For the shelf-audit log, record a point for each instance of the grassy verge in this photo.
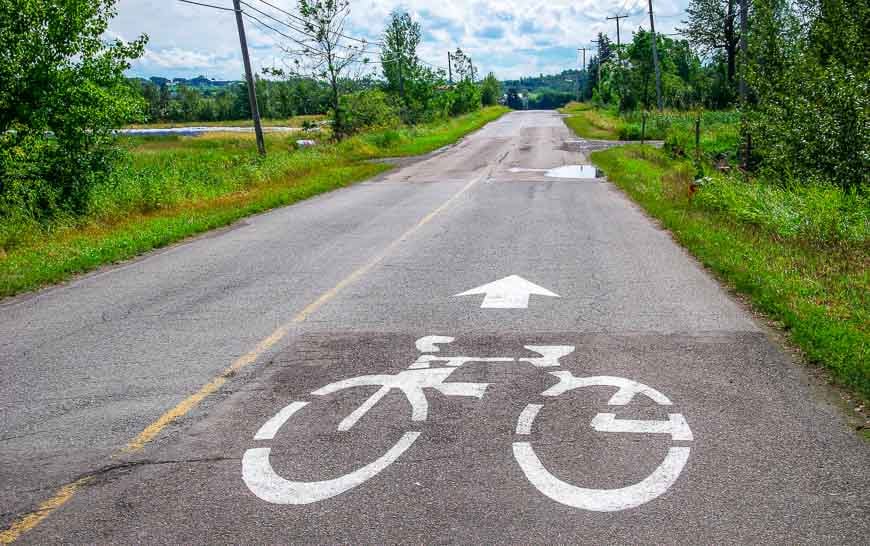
(169, 188)
(295, 121)
(800, 254)
(589, 122)
(718, 130)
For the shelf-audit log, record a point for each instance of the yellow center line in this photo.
(28, 521)
(31, 520)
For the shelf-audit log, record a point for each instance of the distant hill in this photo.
(563, 82)
(200, 82)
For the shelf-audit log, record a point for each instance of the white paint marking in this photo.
(265, 483)
(676, 425)
(527, 417)
(423, 361)
(550, 355)
(270, 428)
(601, 500)
(351, 419)
(627, 388)
(411, 383)
(429, 344)
(511, 292)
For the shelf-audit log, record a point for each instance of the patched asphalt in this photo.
(770, 458)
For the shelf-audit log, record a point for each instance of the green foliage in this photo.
(370, 109)
(490, 90)
(549, 100)
(62, 92)
(818, 213)
(630, 83)
(464, 97)
(399, 54)
(276, 98)
(712, 27)
(810, 80)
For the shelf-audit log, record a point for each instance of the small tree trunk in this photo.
(730, 42)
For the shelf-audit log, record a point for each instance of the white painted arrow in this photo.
(508, 293)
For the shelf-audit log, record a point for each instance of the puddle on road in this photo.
(565, 171)
(573, 171)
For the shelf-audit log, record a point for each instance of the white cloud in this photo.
(508, 37)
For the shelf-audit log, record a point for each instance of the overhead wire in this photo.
(265, 25)
(301, 20)
(207, 5)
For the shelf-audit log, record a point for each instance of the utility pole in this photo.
(401, 81)
(471, 64)
(617, 17)
(655, 54)
(449, 68)
(598, 68)
(744, 28)
(583, 49)
(746, 153)
(252, 91)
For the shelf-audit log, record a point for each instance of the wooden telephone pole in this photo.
(252, 91)
(598, 68)
(655, 54)
(583, 49)
(617, 17)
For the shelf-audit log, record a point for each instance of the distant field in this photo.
(295, 121)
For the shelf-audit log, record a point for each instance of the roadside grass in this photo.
(293, 121)
(589, 122)
(719, 129)
(800, 254)
(169, 188)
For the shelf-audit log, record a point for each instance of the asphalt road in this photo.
(631, 400)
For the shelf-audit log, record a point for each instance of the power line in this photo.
(301, 20)
(263, 13)
(207, 5)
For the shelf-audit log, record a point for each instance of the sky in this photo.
(509, 38)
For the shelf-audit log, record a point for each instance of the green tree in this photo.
(711, 27)
(323, 49)
(399, 54)
(62, 92)
(414, 85)
(490, 90)
(809, 117)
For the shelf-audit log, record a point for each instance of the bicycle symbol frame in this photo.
(268, 485)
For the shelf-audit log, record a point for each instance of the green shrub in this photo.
(62, 92)
(370, 109)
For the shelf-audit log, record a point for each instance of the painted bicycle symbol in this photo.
(431, 371)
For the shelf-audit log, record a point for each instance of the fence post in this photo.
(698, 138)
(643, 128)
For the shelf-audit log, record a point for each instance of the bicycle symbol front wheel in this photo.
(267, 484)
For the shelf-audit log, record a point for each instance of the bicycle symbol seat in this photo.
(431, 371)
